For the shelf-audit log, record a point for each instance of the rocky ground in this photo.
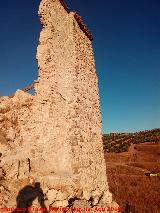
(131, 188)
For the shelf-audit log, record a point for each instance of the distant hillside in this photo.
(120, 142)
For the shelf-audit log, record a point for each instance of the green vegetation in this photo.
(120, 142)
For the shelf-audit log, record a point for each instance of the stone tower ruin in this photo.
(57, 132)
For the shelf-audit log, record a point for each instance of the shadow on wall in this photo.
(127, 208)
(27, 195)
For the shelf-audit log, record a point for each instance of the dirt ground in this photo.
(132, 189)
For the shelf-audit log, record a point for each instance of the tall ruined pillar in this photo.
(68, 108)
(53, 139)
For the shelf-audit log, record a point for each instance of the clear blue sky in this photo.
(127, 51)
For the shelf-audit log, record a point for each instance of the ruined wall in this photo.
(88, 150)
(67, 92)
(61, 137)
(14, 165)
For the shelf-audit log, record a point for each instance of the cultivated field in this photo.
(131, 188)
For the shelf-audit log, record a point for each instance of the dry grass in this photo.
(129, 184)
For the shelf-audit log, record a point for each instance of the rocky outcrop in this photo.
(53, 144)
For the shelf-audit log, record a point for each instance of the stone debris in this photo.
(51, 143)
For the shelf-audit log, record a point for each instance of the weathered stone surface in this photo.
(54, 138)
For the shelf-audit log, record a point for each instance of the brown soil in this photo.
(131, 188)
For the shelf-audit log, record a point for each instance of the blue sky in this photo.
(127, 52)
